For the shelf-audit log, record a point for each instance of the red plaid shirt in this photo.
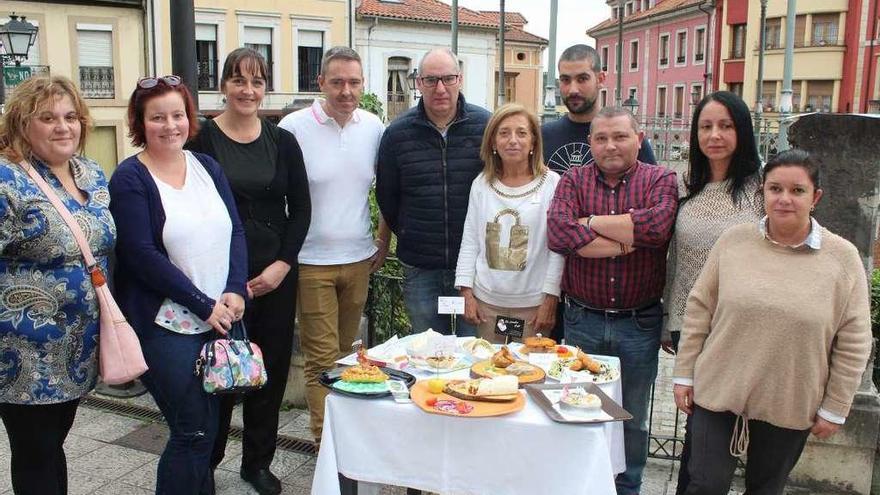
(650, 194)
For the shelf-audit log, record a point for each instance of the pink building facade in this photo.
(666, 63)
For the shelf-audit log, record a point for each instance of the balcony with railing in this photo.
(664, 61)
(97, 82)
(699, 57)
(14, 75)
(680, 59)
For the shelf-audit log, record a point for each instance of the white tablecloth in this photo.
(381, 441)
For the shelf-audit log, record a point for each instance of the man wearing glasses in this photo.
(428, 158)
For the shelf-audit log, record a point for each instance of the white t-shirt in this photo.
(503, 285)
(341, 165)
(196, 235)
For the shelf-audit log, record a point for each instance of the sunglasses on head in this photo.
(151, 82)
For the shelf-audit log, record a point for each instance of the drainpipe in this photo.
(455, 27)
(501, 25)
(867, 96)
(619, 54)
(707, 60)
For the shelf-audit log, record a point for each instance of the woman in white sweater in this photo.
(505, 270)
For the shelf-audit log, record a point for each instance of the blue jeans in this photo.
(636, 341)
(191, 414)
(421, 288)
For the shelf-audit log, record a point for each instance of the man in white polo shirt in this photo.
(339, 144)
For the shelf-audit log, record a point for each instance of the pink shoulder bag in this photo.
(120, 359)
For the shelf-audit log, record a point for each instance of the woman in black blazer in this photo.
(265, 168)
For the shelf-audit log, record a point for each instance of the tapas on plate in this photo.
(363, 380)
(497, 389)
(449, 405)
(504, 363)
(583, 368)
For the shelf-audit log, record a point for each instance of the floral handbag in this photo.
(231, 365)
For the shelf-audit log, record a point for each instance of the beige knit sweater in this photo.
(775, 333)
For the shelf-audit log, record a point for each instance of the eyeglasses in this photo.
(431, 81)
(151, 82)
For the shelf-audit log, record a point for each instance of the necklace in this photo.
(520, 195)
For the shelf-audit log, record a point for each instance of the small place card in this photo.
(447, 305)
(444, 345)
(509, 327)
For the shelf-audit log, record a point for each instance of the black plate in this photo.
(328, 378)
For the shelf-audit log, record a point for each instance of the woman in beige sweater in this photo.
(775, 338)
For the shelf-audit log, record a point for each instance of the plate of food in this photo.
(479, 349)
(449, 405)
(498, 389)
(543, 345)
(583, 368)
(440, 363)
(576, 403)
(504, 363)
(363, 380)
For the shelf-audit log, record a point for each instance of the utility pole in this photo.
(501, 25)
(759, 93)
(785, 100)
(619, 55)
(455, 27)
(183, 45)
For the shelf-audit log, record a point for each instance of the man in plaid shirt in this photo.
(613, 220)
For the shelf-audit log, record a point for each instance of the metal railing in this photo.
(97, 82)
(207, 75)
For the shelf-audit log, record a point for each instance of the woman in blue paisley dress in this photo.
(48, 308)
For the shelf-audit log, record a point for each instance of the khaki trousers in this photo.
(331, 302)
(491, 312)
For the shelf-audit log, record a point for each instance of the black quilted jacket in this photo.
(423, 182)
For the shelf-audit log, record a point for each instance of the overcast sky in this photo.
(575, 17)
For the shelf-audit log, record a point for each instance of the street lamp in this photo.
(696, 95)
(631, 104)
(17, 37)
(411, 79)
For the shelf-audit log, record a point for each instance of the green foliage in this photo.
(385, 308)
(371, 103)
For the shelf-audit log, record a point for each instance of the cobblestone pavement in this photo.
(111, 454)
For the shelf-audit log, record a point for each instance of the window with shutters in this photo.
(398, 96)
(95, 61)
(604, 59)
(699, 45)
(603, 97)
(738, 41)
(678, 102)
(825, 29)
(634, 55)
(819, 95)
(310, 49)
(661, 101)
(800, 30)
(735, 88)
(773, 33)
(664, 50)
(681, 39)
(260, 39)
(206, 56)
(768, 96)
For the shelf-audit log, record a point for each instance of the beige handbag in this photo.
(513, 256)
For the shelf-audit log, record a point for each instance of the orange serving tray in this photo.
(420, 394)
